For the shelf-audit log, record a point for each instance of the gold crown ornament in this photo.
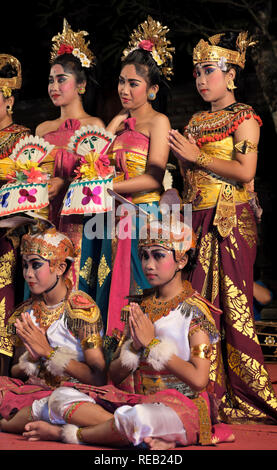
(151, 36)
(210, 52)
(13, 83)
(69, 42)
(47, 243)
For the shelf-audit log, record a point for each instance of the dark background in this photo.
(27, 29)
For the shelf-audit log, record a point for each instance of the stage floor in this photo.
(247, 437)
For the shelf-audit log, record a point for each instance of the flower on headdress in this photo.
(156, 57)
(27, 195)
(65, 49)
(82, 57)
(146, 45)
(92, 195)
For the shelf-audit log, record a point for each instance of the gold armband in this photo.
(203, 159)
(245, 146)
(93, 341)
(203, 351)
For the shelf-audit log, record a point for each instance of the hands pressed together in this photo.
(141, 327)
(183, 148)
(33, 337)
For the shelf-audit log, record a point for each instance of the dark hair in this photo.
(73, 65)
(191, 261)
(228, 41)
(147, 68)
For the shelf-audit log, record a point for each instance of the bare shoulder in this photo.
(46, 127)
(159, 121)
(93, 121)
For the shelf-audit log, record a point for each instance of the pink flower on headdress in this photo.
(65, 49)
(146, 45)
(29, 195)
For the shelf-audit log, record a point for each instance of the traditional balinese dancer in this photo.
(10, 134)
(218, 155)
(58, 332)
(140, 152)
(71, 84)
(161, 368)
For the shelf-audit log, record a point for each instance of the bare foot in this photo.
(222, 433)
(216, 439)
(159, 444)
(42, 431)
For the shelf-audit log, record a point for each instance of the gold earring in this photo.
(151, 96)
(9, 109)
(230, 84)
(81, 90)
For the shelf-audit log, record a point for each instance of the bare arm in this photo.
(242, 169)
(194, 372)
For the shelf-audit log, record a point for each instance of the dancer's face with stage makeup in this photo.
(211, 81)
(159, 265)
(62, 86)
(132, 88)
(37, 273)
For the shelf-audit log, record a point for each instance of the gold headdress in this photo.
(151, 36)
(171, 232)
(13, 83)
(69, 42)
(49, 244)
(209, 51)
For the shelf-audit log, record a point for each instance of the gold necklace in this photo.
(45, 316)
(156, 309)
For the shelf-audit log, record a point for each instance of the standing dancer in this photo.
(218, 157)
(10, 134)
(140, 152)
(71, 83)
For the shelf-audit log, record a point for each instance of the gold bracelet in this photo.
(203, 159)
(49, 356)
(152, 344)
(203, 351)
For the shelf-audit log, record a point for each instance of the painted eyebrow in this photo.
(60, 75)
(156, 250)
(130, 79)
(33, 259)
(208, 65)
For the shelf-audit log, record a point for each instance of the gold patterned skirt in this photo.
(224, 276)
